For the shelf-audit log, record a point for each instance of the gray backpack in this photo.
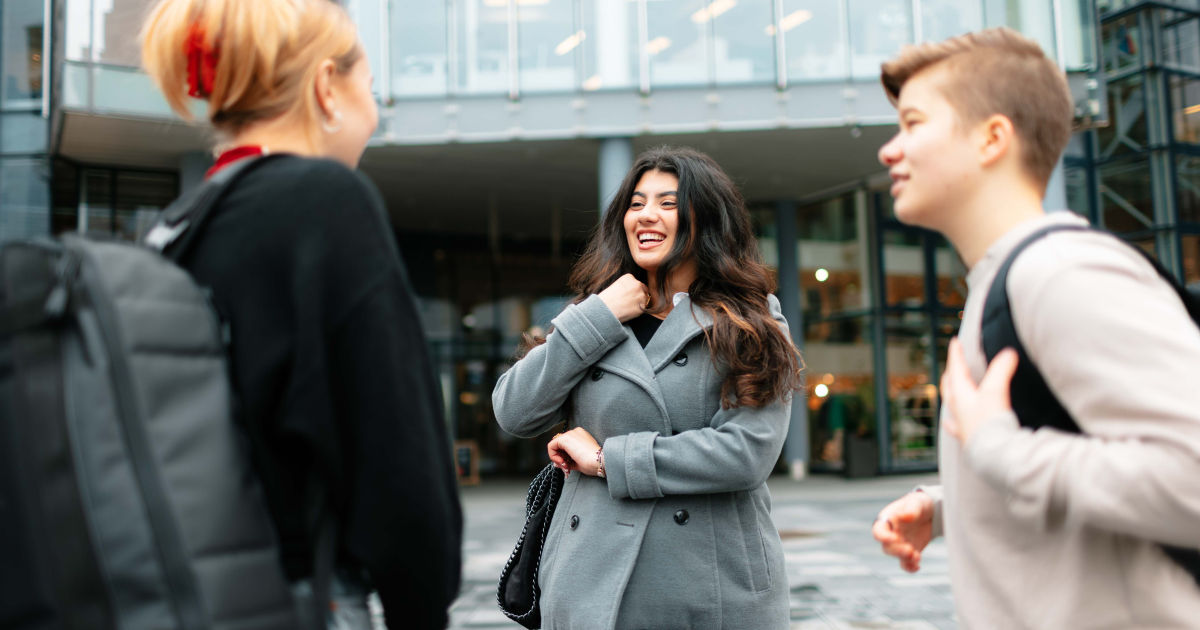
(127, 498)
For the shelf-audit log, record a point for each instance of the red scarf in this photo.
(233, 155)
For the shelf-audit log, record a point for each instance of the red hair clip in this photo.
(201, 62)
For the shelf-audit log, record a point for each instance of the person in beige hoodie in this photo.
(1044, 529)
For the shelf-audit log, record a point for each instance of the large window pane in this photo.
(116, 25)
(951, 276)
(25, 199)
(878, 28)
(140, 198)
(841, 400)
(22, 132)
(1180, 40)
(1191, 259)
(912, 396)
(1187, 177)
(678, 40)
(941, 19)
(1079, 34)
(21, 54)
(96, 203)
(549, 45)
(78, 21)
(418, 47)
(1125, 196)
(904, 271)
(1185, 107)
(482, 46)
(1127, 131)
(815, 39)
(1121, 44)
(833, 264)
(744, 42)
(610, 44)
(1078, 195)
(1034, 19)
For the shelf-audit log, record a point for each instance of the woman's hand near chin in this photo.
(626, 297)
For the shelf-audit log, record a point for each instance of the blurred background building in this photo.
(506, 124)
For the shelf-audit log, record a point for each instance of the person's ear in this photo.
(996, 139)
(323, 88)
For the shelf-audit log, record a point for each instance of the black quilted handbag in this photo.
(518, 591)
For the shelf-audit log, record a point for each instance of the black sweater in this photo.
(334, 379)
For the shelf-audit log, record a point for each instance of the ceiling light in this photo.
(791, 21)
(499, 4)
(569, 44)
(657, 45)
(592, 83)
(713, 10)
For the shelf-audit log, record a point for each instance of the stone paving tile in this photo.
(837, 576)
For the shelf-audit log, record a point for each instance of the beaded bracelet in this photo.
(600, 461)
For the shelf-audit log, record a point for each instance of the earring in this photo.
(336, 125)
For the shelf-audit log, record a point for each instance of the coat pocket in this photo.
(753, 545)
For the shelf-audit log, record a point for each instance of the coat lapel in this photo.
(629, 362)
(680, 327)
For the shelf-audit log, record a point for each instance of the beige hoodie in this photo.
(1050, 530)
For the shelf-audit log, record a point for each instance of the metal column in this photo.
(796, 449)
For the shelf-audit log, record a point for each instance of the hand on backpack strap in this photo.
(971, 405)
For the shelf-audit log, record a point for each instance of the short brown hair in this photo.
(996, 71)
(269, 52)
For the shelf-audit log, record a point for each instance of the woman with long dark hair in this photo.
(674, 370)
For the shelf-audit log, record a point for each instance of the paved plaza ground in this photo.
(837, 575)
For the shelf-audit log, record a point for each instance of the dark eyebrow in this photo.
(668, 193)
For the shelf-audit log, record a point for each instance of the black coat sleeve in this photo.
(397, 496)
(403, 521)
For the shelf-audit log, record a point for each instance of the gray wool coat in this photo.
(679, 535)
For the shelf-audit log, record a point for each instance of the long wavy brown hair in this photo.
(760, 361)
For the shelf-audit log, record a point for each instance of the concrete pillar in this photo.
(192, 167)
(795, 449)
(616, 158)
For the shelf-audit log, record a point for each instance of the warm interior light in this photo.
(713, 10)
(592, 83)
(657, 45)
(569, 44)
(821, 390)
(1194, 109)
(791, 21)
(822, 275)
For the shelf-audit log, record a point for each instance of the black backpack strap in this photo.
(181, 222)
(1033, 402)
(1035, 405)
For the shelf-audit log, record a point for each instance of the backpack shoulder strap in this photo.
(183, 219)
(1034, 403)
(1032, 400)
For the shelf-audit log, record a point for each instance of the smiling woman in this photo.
(674, 371)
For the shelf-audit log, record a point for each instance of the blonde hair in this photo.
(268, 53)
(996, 71)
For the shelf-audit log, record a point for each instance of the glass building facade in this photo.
(24, 171)
(506, 124)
